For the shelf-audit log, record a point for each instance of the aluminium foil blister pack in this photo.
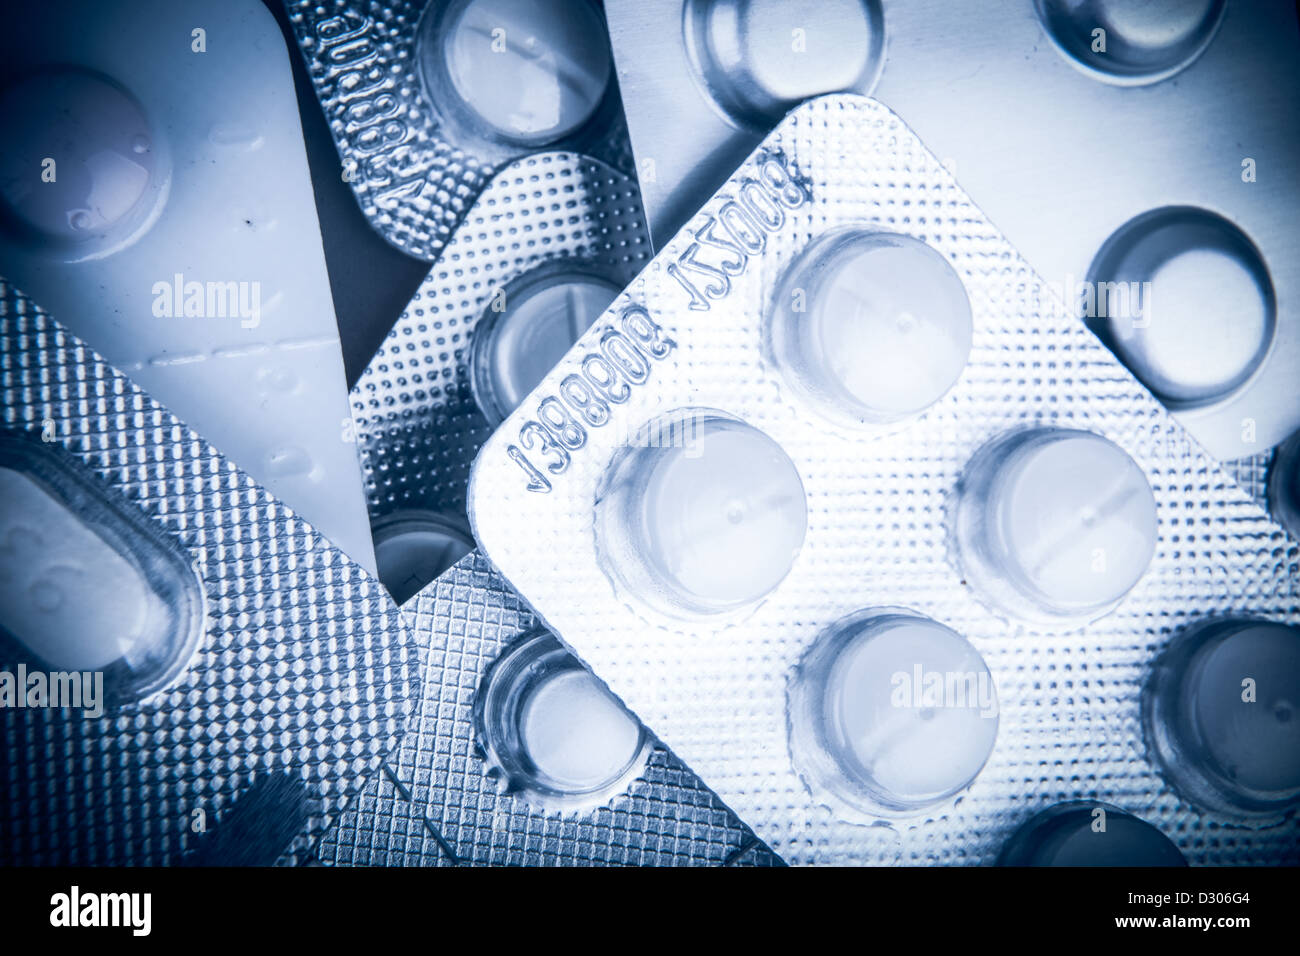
(850, 516)
(550, 241)
(426, 99)
(155, 196)
(443, 801)
(1131, 142)
(252, 675)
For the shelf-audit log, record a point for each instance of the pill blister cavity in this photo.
(551, 732)
(82, 172)
(1131, 43)
(873, 328)
(1222, 716)
(757, 59)
(890, 713)
(526, 74)
(700, 514)
(527, 328)
(412, 547)
(1283, 487)
(86, 585)
(1054, 525)
(1184, 299)
(1083, 833)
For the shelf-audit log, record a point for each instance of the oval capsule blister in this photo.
(85, 583)
(896, 413)
(209, 629)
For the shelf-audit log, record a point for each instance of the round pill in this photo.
(722, 514)
(760, 58)
(576, 734)
(875, 326)
(1184, 299)
(413, 548)
(551, 732)
(1223, 715)
(532, 72)
(526, 332)
(1055, 522)
(80, 170)
(1131, 43)
(1078, 519)
(901, 711)
(1088, 834)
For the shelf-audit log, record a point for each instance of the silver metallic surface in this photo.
(1057, 155)
(714, 688)
(418, 418)
(438, 806)
(415, 173)
(302, 676)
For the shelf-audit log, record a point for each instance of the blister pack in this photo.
(843, 500)
(426, 99)
(546, 247)
(189, 672)
(1141, 152)
(155, 195)
(518, 755)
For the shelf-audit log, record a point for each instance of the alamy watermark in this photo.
(1128, 301)
(191, 299)
(81, 690)
(923, 689)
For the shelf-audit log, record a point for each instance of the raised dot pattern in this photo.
(418, 424)
(413, 175)
(455, 815)
(305, 666)
(877, 534)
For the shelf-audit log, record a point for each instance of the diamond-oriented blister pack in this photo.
(302, 672)
(456, 815)
(416, 168)
(1130, 138)
(715, 688)
(419, 422)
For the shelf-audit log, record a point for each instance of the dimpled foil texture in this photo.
(715, 690)
(418, 423)
(435, 805)
(413, 174)
(303, 673)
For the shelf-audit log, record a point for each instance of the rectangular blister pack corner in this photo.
(157, 200)
(436, 804)
(688, 333)
(250, 676)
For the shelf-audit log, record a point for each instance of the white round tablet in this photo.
(1054, 525)
(892, 712)
(1077, 520)
(873, 326)
(722, 517)
(1131, 43)
(1186, 301)
(538, 323)
(577, 735)
(532, 72)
